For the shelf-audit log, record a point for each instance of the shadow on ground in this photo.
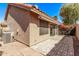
(1, 52)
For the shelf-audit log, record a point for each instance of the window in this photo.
(53, 29)
(43, 27)
(54, 26)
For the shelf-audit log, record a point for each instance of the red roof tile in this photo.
(21, 5)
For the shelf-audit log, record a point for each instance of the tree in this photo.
(55, 17)
(70, 13)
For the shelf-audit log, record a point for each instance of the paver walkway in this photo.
(45, 46)
(17, 49)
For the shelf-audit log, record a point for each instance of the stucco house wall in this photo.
(35, 36)
(27, 24)
(18, 19)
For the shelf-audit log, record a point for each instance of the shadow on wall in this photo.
(21, 17)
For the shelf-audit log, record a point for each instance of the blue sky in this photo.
(3, 8)
(52, 9)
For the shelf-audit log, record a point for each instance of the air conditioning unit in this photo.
(6, 37)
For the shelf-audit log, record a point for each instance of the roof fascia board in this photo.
(40, 13)
(44, 18)
(22, 7)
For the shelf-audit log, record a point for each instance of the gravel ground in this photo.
(63, 48)
(76, 47)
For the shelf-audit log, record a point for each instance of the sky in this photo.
(52, 9)
(3, 8)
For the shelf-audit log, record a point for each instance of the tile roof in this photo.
(33, 9)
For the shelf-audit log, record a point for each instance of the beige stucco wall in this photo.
(22, 22)
(31, 36)
(35, 36)
(27, 24)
